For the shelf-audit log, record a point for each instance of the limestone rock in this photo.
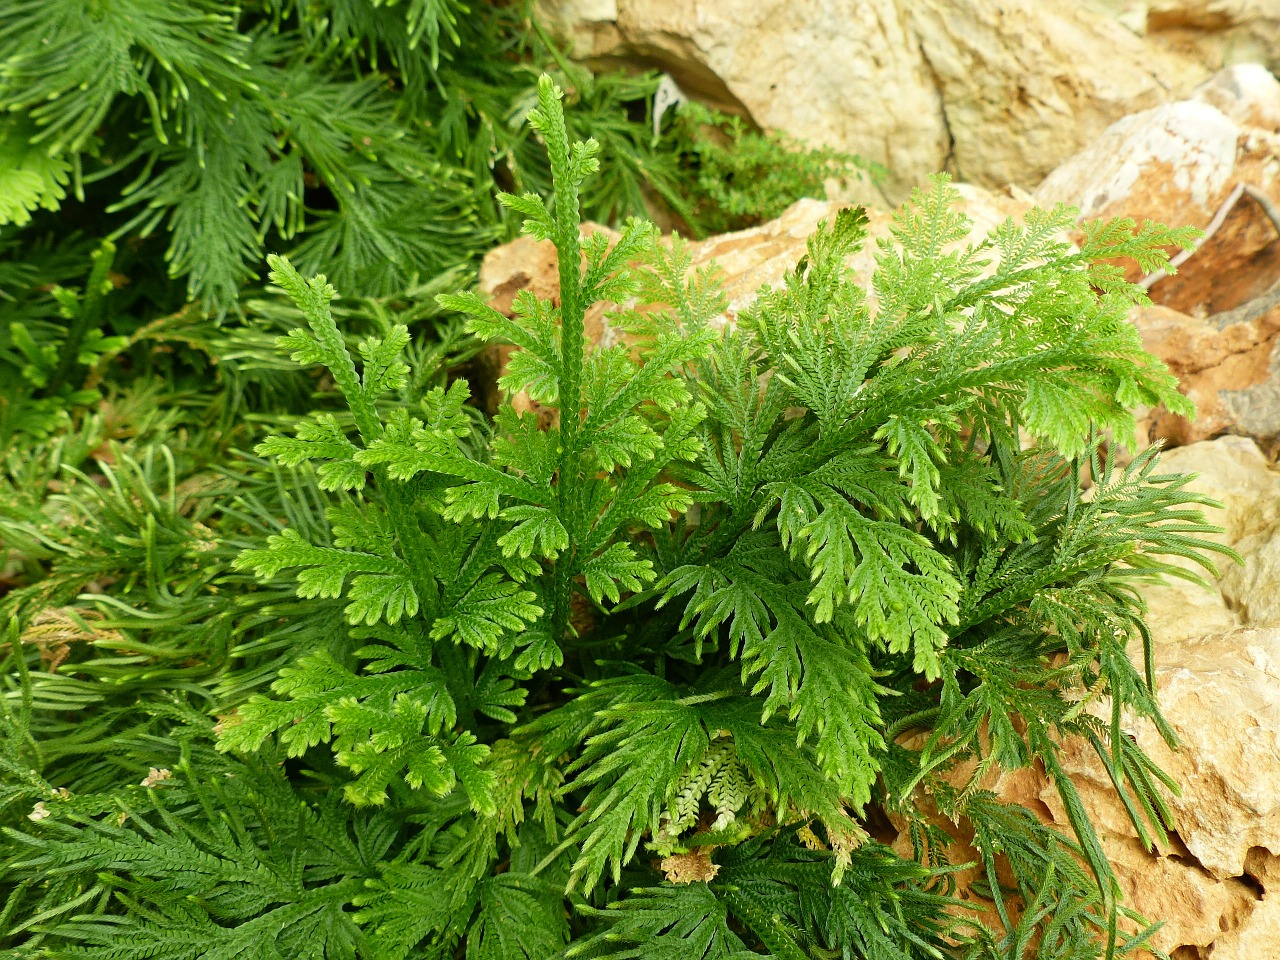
(1026, 83)
(999, 91)
(1235, 472)
(847, 75)
(1182, 163)
(1178, 163)
(1260, 930)
(1217, 882)
(1227, 363)
(1213, 32)
(1221, 694)
(1247, 93)
(1172, 163)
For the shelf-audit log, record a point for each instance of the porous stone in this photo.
(1236, 473)
(1215, 33)
(1227, 363)
(998, 91)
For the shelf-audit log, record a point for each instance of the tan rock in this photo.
(1258, 931)
(847, 75)
(1226, 363)
(1182, 163)
(1221, 695)
(1026, 83)
(1253, 587)
(1178, 164)
(1180, 610)
(1130, 13)
(1241, 262)
(1000, 91)
(1168, 885)
(1247, 93)
(1217, 32)
(1215, 885)
(1235, 472)
(1175, 160)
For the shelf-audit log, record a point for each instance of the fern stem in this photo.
(88, 316)
(415, 546)
(572, 337)
(909, 721)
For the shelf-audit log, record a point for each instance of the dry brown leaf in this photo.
(692, 867)
(54, 629)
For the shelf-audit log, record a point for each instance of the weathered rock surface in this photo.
(1213, 32)
(1228, 363)
(1235, 472)
(1174, 161)
(1218, 319)
(1216, 883)
(999, 92)
(1247, 93)
(1178, 163)
(1217, 887)
(1025, 83)
(848, 75)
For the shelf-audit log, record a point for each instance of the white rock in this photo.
(1248, 93)
(1221, 694)
(1026, 83)
(1183, 152)
(999, 90)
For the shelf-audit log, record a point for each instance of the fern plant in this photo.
(362, 135)
(648, 675)
(745, 177)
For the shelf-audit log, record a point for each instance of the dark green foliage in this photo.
(739, 174)
(627, 676)
(362, 135)
(152, 151)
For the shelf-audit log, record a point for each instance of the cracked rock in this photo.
(1004, 89)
